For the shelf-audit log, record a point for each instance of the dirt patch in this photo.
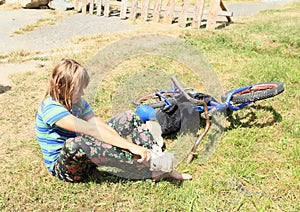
(10, 6)
(13, 68)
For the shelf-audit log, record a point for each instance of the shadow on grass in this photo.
(126, 174)
(4, 88)
(220, 24)
(249, 120)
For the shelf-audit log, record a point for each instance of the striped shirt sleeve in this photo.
(53, 112)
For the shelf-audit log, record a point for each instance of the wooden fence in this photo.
(168, 13)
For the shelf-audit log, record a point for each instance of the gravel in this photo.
(53, 36)
(249, 9)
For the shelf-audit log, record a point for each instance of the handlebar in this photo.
(205, 115)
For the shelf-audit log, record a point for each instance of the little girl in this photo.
(74, 140)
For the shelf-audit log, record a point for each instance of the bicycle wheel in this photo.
(256, 92)
(153, 100)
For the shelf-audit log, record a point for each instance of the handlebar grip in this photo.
(190, 157)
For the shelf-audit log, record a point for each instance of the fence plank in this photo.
(170, 12)
(214, 8)
(76, 5)
(91, 7)
(156, 10)
(144, 10)
(224, 9)
(182, 17)
(133, 12)
(99, 7)
(123, 9)
(198, 14)
(106, 8)
(84, 3)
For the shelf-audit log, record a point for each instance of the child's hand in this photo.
(143, 153)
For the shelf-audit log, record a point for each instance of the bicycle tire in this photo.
(257, 92)
(158, 103)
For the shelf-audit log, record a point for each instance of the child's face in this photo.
(78, 93)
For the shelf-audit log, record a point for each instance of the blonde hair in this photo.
(67, 76)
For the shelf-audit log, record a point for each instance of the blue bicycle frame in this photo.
(212, 105)
(227, 104)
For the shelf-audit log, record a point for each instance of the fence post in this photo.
(170, 12)
(198, 14)
(182, 16)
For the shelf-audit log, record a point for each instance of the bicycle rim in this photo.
(257, 92)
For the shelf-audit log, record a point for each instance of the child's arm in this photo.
(98, 121)
(102, 132)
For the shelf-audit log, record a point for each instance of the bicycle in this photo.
(205, 105)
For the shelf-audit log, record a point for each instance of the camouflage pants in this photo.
(84, 153)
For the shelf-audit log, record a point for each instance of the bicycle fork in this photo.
(206, 115)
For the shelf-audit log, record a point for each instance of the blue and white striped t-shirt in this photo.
(51, 137)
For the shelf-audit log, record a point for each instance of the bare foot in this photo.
(178, 176)
(174, 174)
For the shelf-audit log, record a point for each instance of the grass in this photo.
(255, 166)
